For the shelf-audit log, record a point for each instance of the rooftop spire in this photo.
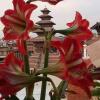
(45, 22)
(45, 11)
(96, 27)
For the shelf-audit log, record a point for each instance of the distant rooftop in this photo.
(96, 27)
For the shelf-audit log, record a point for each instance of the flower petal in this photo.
(53, 2)
(82, 32)
(21, 47)
(17, 22)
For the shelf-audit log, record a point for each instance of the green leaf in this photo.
(62, 87)
(96, 92)
(66, 31)
(97, 83)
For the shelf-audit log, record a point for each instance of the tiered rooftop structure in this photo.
(96, 27)
(45, 23)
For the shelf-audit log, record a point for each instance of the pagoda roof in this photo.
(45, 22)
(39, 39)
(97, 25)
(45, 16)
(41, 32)
(45, 10)
(42, 38)
(38, 31)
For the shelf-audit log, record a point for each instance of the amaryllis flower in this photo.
(82, 31)
(53, 2)
(71, 66)
(76, 68)
(12, 78)
(78, 94)
(17, 22)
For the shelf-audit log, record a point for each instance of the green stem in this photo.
(61, 88)
(56, 92)
(26, 60)
(43, 88)
(57, 97)
(29, 89)
(29, 92)
(66, 31)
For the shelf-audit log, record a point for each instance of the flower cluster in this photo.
(12, 77)
(17, 23)
(71, 66)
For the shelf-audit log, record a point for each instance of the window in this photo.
(53, 50)
(30, 53)
(1, 60)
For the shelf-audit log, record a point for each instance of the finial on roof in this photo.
(96, 27)
(45, 22)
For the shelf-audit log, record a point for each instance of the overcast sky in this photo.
(63, 12)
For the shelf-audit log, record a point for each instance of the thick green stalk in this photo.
(61, 88)
(56, 92)
(29, 92)
(26, 60)
(29, 89)
(43, 88)
(66, 31)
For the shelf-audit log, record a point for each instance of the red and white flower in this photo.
(71, 66)
(12, 78)
(82, 31)
(74, 68)
(17, 22)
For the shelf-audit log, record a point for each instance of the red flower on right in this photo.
(82, 31)
(71, 66)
